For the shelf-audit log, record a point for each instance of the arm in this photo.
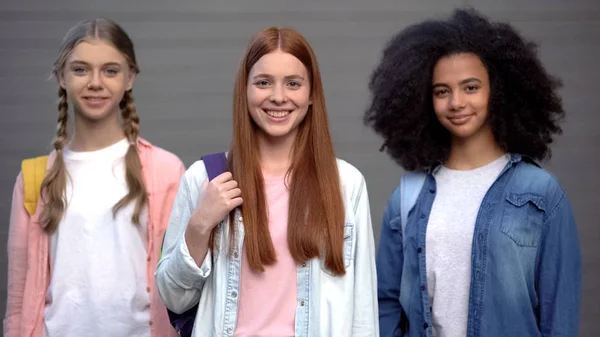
(559, 273)
(17, 261)
(365, 321)
(178, 278)
(390, 259)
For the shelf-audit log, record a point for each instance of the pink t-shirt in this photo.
(267, 303)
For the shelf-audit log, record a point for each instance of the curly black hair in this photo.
(524, 107)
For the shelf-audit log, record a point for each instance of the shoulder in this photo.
(353, 184)
(196, 173)
(349, 174)
(530, 178)
(18, 188)
(163, 161)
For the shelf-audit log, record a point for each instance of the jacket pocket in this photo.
(348, 244)
(522, 218)
(348, 250)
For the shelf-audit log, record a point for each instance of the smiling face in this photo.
(461, 91)
(96, 76)
(278, 94)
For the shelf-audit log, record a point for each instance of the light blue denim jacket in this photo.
(327, 305)
(525, 264)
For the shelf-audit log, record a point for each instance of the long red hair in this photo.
(316, 209)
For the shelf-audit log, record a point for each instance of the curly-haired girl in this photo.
(490, 246)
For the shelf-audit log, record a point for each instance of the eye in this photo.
(441, 93)
(111, 72)
(294, 84)
(262, 83)
(78, 70)
(471, 88)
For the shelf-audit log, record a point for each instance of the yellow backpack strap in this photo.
(34, 171)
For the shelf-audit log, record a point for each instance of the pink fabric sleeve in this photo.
(17, 261)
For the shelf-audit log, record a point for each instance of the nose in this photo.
(278, 95)
(95, 82)
(457, 101)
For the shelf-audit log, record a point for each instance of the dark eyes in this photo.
(445, 92)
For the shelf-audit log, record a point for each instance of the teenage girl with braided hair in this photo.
(81, 263)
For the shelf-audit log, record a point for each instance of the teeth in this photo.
(278, 114)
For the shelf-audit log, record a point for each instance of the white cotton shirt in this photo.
(449, 240)
(98, 262)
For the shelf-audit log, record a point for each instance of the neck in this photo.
(474, 152)
(275, 154)
(90, 135)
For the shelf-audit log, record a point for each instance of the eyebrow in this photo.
(465, 81)
(290, 77)
(111, 64)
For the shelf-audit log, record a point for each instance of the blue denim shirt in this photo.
(525, 264)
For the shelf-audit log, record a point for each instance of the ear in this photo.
(130, 80)
(61, 80)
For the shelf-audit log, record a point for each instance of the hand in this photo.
(220, 197)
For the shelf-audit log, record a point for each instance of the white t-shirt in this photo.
(449, 240)
(98, 262)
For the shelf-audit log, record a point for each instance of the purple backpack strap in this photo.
(215, 164)
(183, 323)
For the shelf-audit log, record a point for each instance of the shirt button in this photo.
(301, 303)
(303, 264)
(234, 294)
(150, 323)
(419, 250)
(422, 216)
(235, 255)
(229, 331)
(422, 288)
(147, 289)
(240, 219)
(148, 259)
(432, 191)
(426, 325)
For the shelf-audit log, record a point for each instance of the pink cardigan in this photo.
(28, 256)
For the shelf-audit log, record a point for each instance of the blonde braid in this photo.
(133, 165)
(55, 182)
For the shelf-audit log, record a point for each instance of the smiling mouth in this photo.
(95, 99)
(459, 118)
(278, 113)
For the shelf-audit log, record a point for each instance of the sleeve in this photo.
(390, 260)
(178, 279)
(365, 321)
(17, 261)
(559, 273)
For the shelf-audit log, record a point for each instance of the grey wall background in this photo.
(189, 50)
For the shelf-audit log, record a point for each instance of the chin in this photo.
(276, 133)
(465, 131)
(96, 116)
